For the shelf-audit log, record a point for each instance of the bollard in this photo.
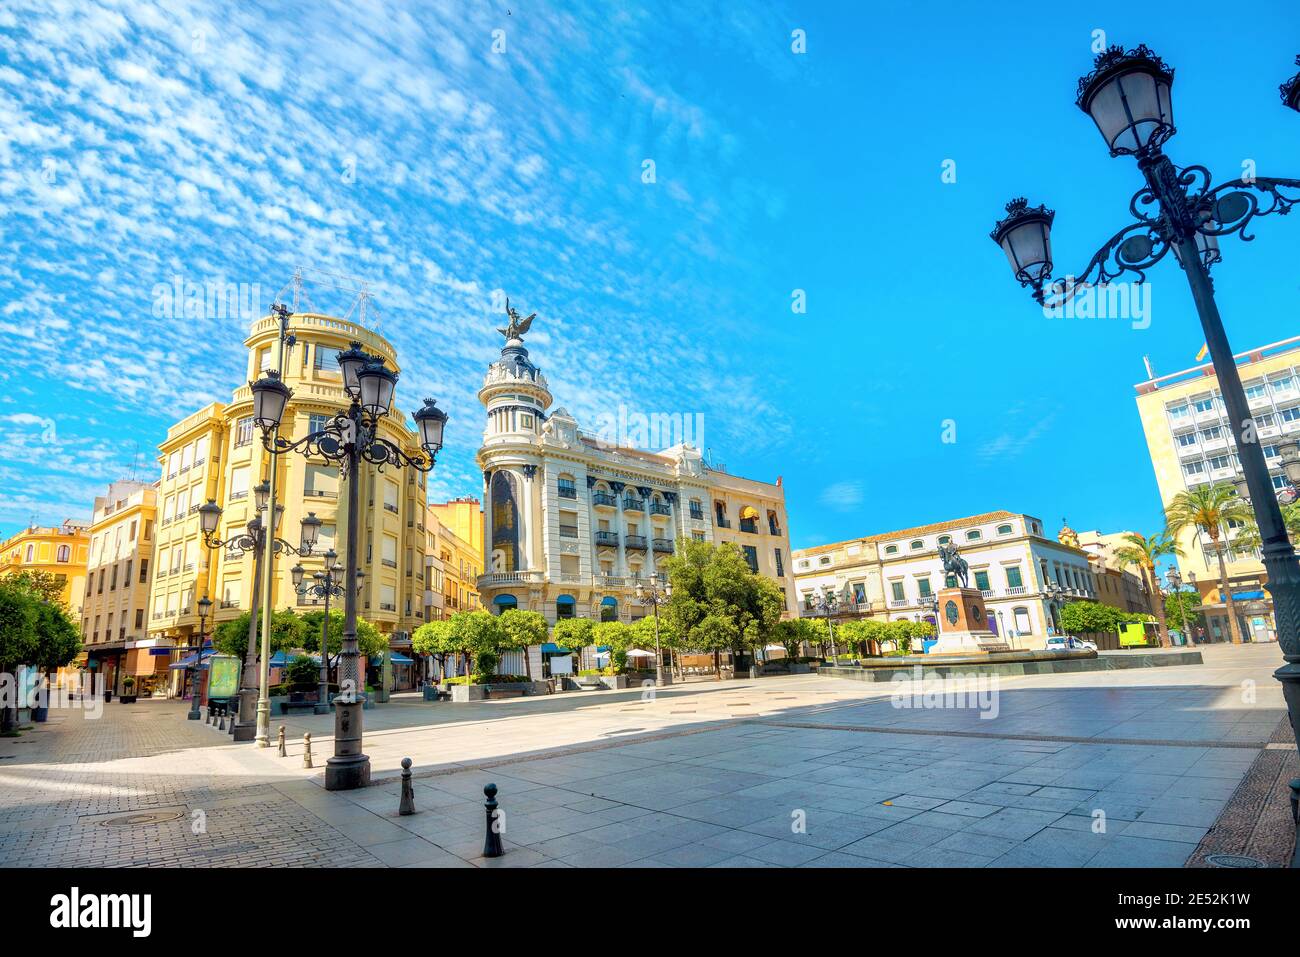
(234, 713)
(222, 725)
(283, 752)
(306, 750)
(407, 805)
(492, 840)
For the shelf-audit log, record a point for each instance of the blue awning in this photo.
(1248, 596)
(401, 659)
(189, 662)
(551, 648)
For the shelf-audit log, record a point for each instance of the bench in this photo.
(494, 693)
(287, 706)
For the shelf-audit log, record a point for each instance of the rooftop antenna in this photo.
(1151, 372)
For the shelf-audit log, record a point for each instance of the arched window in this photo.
(65, 553)
(748, 519)
(773, 523)
(1004, 529)
(918, 544)
(565, 607)
(1024, 624)
(891, 549)
(504, 603)
(609, 608)
(973, 535)
(31, 553)
(505, 522)
(567, 486)
(945, 539)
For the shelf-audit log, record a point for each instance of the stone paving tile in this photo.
(785, 853)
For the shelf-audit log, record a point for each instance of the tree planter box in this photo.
(613, 682)
(462, 693)
(126, 698)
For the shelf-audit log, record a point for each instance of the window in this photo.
(1286, 382)
(1257, 391)
(244, 432)
(201, 450)
(316, 422)
(321, 481)
(566, 487)
(824, 560)
(1204, 405)
(65, 553)
(390, 496)
(751, 556)
(896, 590)
(982, 580)
(917, 545)
(1013, 577)
(238, 483)
(923, 587)
(945, 539)
(859, 593)
(891, 549)
(1004, 529)
(973, 535)
(525, 420)
(697, 509)
(1021, 616)
(1289, 415)
(144, 570)
(1179, 412)
(780, 563)
(139, 618)
(1193, 468)
(1220, 461)
(1187, 440)
(389, 554)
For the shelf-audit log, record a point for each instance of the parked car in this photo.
(1070, 643)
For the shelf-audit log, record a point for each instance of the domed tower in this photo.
(516, 397)
(1067, 535)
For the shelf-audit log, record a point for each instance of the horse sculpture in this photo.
(954, 564)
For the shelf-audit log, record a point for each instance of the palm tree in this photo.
(1145, 552)
(1209, 509)
(1248, 539)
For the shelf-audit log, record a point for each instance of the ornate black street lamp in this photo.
(349, 439)
(824, 600)
(325, 584)
(1128, 96)
(656, 597)
(1176, 583)
(1056, 597)
(252, 696)
(205, 604)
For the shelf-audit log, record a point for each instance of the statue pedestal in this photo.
(963, 625)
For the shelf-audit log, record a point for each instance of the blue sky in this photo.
(224, 142)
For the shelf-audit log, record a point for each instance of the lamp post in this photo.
(1056, 595)
(655, 597)
(930, 604)
(1128, 96)
(325, 584)
(255, 540)
(205, 604)
(350, 439)
(825, 602)
(1176, 583)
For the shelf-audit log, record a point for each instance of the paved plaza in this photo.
(1118, 768)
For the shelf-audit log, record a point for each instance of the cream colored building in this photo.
(114, 616)
(1011, 560)
(1191, 444)
(1118, 584)
(573, 522)
(61, 550)
(217, 453)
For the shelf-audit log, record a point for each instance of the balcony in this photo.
(509, 578)
(568, 531)
(390, 508)
(721, 522)
(633, 504)
(607, 539)
(659, 508)
(662, 545)
(610, 581)
(749, 525)
(605, 500)
(1015, 590)
(697, 514)
(229, 603)
(568, 491)
(635, 541)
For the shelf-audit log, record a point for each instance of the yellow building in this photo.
(454, 533)
(217, 453)
(114, 622)
(61, 551)
(1191, 444)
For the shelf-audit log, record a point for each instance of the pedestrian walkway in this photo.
(1105, 769)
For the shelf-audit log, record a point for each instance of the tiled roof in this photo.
(915, 530)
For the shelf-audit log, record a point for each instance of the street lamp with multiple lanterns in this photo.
(1128, 97)
(254, 701)
(656, 597)
(324, 584)
(824, 600)
(350, 439)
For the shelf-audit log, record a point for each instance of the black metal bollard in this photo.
(492, 840)
(221, 726)
(407, 805)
